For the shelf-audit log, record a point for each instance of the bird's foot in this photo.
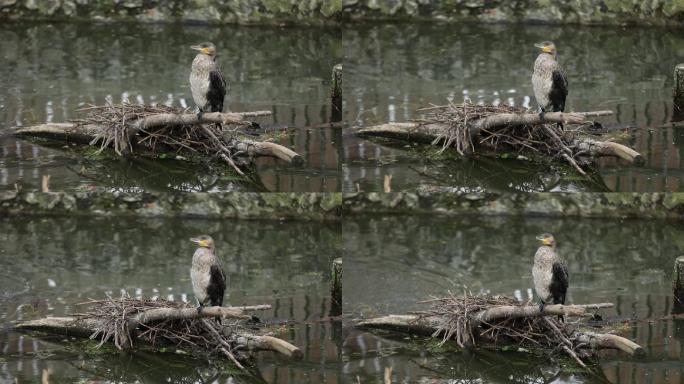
(199, 115)
(541, 307)
(199, 309)
(541, 116)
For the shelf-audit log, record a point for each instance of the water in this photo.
(395, 261)
(47, 71)
(50, 264)
(395, 69)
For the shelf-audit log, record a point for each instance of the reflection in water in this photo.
(396, 69)
(49, 70)
(52, 264)
(396, 261)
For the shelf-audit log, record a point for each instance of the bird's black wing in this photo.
(217, 91)
(559, 89)
(217, 285)
(559, 282)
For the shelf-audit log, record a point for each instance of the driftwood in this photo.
(470, 320)
(471, 128)
(153, 129)
(127, 321)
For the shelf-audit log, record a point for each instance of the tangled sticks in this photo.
(159, 129)
(156, 322)
(503, 129)
(471, 320)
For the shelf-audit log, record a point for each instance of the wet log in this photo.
(81, 326)
(160, 314)
(429, 326)
(515, 119)
(608, 341)
(513, 312)
(596, 148)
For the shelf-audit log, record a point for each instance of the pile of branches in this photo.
(504, 129)
(499, 320)
(455, 117)
(117, 319)
(452, 318)
(543, 139)
(124, 127)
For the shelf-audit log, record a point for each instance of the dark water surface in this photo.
(47, 71)
(49, 265)
(395, 69)
(394, 262)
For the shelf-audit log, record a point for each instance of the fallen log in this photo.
(150, 130)
(485, 129)
(469, 320)
(127, 321)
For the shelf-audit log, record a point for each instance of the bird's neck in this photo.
(552, 55)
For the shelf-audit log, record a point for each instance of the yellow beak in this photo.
(201, 243)
(544, 48)
(201, 49)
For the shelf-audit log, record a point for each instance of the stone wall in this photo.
(615, 12)
(201, 11)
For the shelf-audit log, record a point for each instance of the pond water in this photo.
(50, 265)
(47, 71)
(393, 262)
(393, 70)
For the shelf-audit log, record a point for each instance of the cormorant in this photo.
(549, 273)
(206, 81)
(208, 279)
(549, 82)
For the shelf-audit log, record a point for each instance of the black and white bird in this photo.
(549, 82)
(206, 274)
(549, 273)
(207, 84)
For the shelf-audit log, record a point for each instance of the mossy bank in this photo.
(317, 12)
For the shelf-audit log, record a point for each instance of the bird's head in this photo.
(204, 241)
(205, 48)
(547, 47)
(547, 239)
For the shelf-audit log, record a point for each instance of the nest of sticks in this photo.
(548, 139)
(113, 317)
(159, 128)
(456, 318)
(456, 119)
(453, 320)
(513, 130)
